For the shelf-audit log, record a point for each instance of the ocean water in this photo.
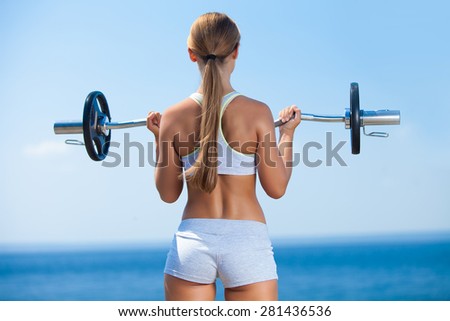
(378, 270)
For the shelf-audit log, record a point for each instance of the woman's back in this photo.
(234, 196)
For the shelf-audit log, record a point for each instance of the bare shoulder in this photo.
(178, 110)
(258, 111)
(178, 114)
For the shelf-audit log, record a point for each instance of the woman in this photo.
(220, 139)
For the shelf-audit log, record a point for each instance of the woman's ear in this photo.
(235, 53)
(192, 55)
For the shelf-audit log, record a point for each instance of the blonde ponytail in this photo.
(213, 37)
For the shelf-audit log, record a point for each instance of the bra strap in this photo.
(227, 100)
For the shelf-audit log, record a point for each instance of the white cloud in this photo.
(46, 148)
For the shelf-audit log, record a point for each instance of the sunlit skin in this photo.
(248, 123)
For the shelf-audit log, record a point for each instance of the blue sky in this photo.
(53, 53)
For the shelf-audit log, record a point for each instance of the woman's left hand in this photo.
(153, 121)
(291, 117)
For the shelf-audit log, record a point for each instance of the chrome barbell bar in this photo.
(368, 118)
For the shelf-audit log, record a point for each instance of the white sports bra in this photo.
(230, 161)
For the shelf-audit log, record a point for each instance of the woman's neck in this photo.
(226, 85)
(225, 76)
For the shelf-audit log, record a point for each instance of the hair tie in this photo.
(213, 57)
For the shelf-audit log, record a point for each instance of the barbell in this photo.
(96, 125)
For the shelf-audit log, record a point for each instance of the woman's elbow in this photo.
(169, 197)
(276, 193)
(169, 192)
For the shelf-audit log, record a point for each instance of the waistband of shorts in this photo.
(221, 226)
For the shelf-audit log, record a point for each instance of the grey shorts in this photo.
(239, 252)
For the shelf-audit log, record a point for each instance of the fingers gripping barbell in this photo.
(96, 125)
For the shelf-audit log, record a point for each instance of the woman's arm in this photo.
(275, 160)
(168, 164)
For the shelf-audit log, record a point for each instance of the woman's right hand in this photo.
(286, 114)
(153, 121)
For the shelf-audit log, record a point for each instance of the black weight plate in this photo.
(355, 120)
(95, 141)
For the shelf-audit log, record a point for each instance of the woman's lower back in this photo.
(233, 198)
